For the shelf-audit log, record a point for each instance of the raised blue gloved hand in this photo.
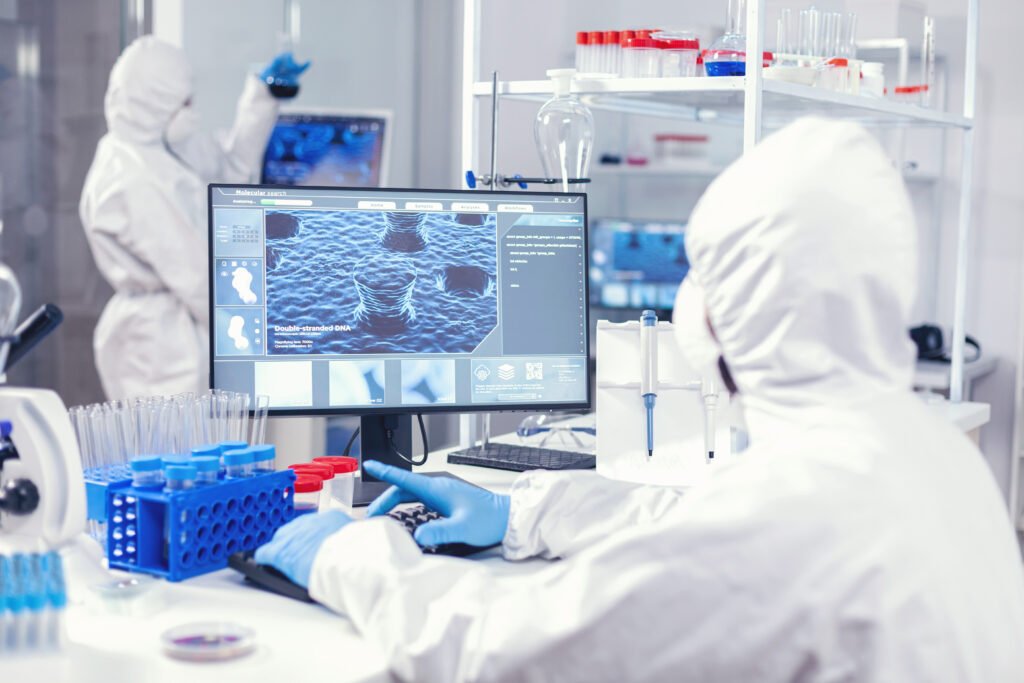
(293, 548)
(472, 515)
(283, 70)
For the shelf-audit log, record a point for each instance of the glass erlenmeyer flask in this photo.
(564, 132)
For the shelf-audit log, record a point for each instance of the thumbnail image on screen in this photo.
(637, 264)
(326, 149)
(436, 269)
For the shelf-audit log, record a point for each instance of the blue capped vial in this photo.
(263, 456)
(179, 477)
(226, 446)
(207, 467)
(238, 464)
(206, 449)
(147, 470)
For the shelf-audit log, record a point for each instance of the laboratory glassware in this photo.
(564, 132)
(727, 55)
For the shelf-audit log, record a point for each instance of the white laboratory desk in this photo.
(296, 641)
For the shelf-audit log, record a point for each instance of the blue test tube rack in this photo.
(97, 480)
(187, 533)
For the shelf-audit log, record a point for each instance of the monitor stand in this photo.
(374, 445)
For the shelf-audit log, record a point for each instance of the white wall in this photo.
(364, 56)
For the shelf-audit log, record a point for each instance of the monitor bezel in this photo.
(385, 149)
(584, 405)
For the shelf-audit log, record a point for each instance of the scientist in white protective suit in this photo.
(144, 211)
(859, 538)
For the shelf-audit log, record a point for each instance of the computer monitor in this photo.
(324, 147)
(636, 264)
(385, 302)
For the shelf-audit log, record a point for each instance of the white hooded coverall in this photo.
(859, 538)
(144, 212)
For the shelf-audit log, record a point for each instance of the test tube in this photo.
(147, 470)
(848, 36)
(307, 494)
(264, 456)
(243, 429)
(239, 407)
(787, 33)
(581, 49)
(207, 467)
(928, 61)
(831, 22)
(238, 464)
(206, 449)
(810, 32)
(57, 596)
(259, 419)
(179, 477)
(343, 483)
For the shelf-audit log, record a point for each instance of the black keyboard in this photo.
(504, 456)
(270, 579)
(415, 516)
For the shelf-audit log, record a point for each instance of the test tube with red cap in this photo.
(344, 482)
(612, 52)
(307, 493)
(596, 45)
(582, 42)
(315, 469)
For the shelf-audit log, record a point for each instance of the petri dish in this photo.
(208, 641)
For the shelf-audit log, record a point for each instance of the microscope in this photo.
(42, 492)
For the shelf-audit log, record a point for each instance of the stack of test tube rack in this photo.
(181, 534)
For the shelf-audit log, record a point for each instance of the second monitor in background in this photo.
(324, 147)
(636, 264)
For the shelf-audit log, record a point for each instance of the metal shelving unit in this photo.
(753, 103)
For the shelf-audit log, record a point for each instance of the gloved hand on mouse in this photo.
(471, 515)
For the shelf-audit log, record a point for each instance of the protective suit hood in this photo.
(150, 81)
(805, 254)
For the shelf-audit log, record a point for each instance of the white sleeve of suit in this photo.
(447, 619)
(234, 156)
(557, 514)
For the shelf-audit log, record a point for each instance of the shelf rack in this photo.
(722, 99)
(745, 100)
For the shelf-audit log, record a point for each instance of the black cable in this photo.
(351, 440)
(426, 446)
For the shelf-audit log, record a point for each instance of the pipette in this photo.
(649, 370)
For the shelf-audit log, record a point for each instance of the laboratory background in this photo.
(437, 100)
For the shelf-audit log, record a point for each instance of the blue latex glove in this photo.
(472, 515)
(293, 548)
(283, 70)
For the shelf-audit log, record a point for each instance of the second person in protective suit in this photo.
(143, 207)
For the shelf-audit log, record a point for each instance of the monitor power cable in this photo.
(426, 447)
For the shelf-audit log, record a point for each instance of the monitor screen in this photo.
(636, 264)
(360, 301)
(338, 149)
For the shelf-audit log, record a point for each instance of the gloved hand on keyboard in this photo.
(471, 514)
(293, 548)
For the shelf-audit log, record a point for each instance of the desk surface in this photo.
(292, 637)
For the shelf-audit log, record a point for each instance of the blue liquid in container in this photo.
(726, 68)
